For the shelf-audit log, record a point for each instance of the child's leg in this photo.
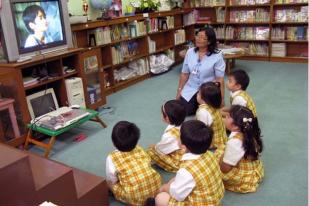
(162, 199)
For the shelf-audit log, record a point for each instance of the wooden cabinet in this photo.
(92, 73)
(53, 68)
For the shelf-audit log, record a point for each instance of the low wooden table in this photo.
(93, 116)
(230, 61)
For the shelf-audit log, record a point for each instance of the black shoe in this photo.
(150, 202)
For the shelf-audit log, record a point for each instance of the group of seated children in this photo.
(205, 160)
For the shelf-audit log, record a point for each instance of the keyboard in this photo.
(60, 118)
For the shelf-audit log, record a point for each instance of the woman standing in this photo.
(203, 63)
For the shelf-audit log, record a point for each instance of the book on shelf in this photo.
(152, 25)
(180, 36)
(278, 49)
(99, 36)
(220, 14)
(29, 81)
(137, 28)
(190, 18)
(151, 45)
(292, 15)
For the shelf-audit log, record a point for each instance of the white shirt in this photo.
(184, 182)
(111, 172)
(204, 116)
(239, 100)
(168, 142)
(234, 150)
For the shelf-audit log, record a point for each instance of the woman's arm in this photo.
(221, 81)
(182, 81)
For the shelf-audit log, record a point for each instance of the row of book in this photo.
(190, 18)
(255, 49)
(203, 3)
(248, 2)
(123, 51)
(180, 36)
(291, 1)
(290, 33)
(257, 15)
(247, 33)
(161, 23)
(292, 15)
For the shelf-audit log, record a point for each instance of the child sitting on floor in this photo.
(209, 99)
(238, 81)
(198, 181)
(129, 173)
(241, 165)
(167, 153)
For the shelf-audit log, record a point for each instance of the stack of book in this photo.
(278, 50)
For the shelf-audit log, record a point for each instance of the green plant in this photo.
(150, 4)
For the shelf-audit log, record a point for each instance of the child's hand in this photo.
(151, 145)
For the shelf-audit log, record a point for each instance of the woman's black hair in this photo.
(249, 127)
(125, 136)
(211, 38)
(175, 111)
(210, 92)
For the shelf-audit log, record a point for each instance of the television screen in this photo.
(38, 24)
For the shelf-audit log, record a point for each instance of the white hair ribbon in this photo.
(244, 120)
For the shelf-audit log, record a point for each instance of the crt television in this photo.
(32, 27)
(42, 102)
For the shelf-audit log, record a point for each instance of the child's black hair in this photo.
(175, 111)
(29, 15)
(196, 136)
(211, 38)
(125, 136)
(249, 127)
(241, 77)
(210, 92)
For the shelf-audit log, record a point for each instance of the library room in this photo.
(90, 91)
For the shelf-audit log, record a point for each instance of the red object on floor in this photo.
(80, 138)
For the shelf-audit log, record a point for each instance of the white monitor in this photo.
(42, 102)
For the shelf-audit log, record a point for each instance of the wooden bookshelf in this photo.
(295, 48)
(164, 39)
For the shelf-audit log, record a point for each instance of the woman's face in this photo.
(201, 40)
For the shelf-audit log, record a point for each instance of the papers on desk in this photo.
(233, 50)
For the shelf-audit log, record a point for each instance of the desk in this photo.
(93, 116)
(230, 61)
(9, 104)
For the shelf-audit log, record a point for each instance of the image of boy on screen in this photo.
(34, 18)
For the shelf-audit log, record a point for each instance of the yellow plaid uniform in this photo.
(169, 162)
(209, 189)
(245, 176)
(219, 138)
(137, 179)
(250, 104)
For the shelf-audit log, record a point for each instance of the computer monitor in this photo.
(42, 102)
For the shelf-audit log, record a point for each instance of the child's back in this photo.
(137, 179)
(209, 189)
(241, 165)
(129, 173)
(167, 153)
(209, 99)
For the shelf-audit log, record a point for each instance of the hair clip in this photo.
(244, 120)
